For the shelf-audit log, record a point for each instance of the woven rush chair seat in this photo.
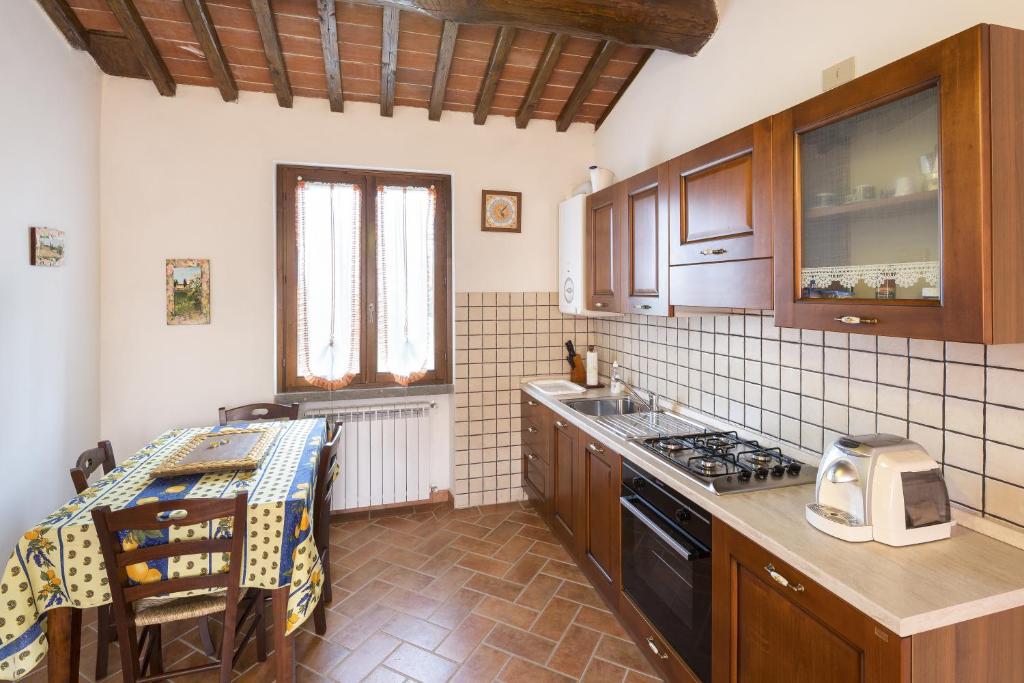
(163, 610)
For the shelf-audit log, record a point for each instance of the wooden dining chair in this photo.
(254, 412)
(150, 604)
(326, 473)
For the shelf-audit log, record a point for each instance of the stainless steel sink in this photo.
(597, 407)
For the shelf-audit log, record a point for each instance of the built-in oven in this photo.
(666, 564)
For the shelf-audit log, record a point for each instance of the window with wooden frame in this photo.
(363, 264)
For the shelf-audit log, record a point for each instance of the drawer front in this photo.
(535, 435)
(732, 284)
(535, 471)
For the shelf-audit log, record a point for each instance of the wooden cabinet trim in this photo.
(604, 260)
(651, 300)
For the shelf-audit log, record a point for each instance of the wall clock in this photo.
(501, 211)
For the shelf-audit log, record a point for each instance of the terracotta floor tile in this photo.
(384, 675)
(484, 565)
(601, 620)
(316, 653)
(467, 529)
(419, 664)
(572, 655)
(404, 557)
(447, 583)
(565, 570)
(409, 602)
(581, 594)
(492, 520)
(406, 578)
(503, 532)
(637, 677)
(622, 652)
(496, 587)
(461, 642)
(527, 518)
(454, 609)
(555, 618)
(353, 634)
(416, 631)
(365, 658)
(525, 568)
(483, 665)
(518, 670)
(364, 598)
(441, 561)
(550, 550)
(600, 671)
(513, 548)
(435, 542)
(538, 534)
(506, 612)
(539, 591)
(521, 643)
(476, 545)
(398, 524)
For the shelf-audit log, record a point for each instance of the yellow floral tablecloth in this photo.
(59, 564)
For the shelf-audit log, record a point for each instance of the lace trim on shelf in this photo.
(873, 275)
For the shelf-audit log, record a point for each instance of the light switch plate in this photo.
(837, 74)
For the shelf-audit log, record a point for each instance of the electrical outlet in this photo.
(837, 74)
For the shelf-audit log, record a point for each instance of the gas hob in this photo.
(725, 463)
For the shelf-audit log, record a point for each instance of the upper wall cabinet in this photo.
(604, 242)
(645, 224)
(898, 197)
(720, 213)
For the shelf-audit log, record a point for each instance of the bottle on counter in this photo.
(617, 386)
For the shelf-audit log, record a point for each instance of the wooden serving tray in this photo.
(226, 450)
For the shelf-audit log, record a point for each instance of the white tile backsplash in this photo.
(964, 403)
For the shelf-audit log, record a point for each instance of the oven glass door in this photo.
(668, 577)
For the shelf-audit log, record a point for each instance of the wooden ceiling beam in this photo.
(272, 49)
(622, 89)
(540, 79)
(443, 67)
(209, 41)
(143, 46)
(588, 79)
(332, 60)
(388, 60)
(496, 64)
(65, 19)
(682, 26)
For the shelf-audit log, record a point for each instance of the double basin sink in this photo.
(630, 419)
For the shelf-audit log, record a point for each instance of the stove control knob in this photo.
(794, 468)
(683, 515)
(639, 483)
(744, 475)
(762, 473)
(778, 471)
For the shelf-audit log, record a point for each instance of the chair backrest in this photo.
(323, 491)
(90, 461)
(254, 412)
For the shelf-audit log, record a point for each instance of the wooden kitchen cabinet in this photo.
(721, 222)
(771, 624)
(601, 481)
(898, 200)
(644, 205)
(535, 443)
(603, 249)
(565, 502)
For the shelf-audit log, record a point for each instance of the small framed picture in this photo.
(501, 211)
(46, 247)
(188, 291)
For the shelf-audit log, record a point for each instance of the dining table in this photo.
(56, 570)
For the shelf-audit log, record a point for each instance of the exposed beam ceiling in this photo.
(332, 60)
(681, 26)
(388, 60)
(142, 43)
(267, 27)
(585, 84)
(495, 65)
(625, 85)
(540, 79)
(67, 21)
(442, 68)
(206, 34)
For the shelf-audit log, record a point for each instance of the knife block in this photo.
(578, 374)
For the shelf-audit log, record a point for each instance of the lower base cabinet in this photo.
(601, 471)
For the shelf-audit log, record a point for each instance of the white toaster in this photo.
(880, 487)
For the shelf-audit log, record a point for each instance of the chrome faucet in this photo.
(650, 403)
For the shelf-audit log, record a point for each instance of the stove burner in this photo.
(670, 446)
(761, 457)
(705, 465)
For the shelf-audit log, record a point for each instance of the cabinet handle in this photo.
(531, 403)
(712, 252)
(654, 648)
(642, 307)
(782, 580)
(531, 456)
(594, 447)
(560, 424)
(531, 429)
(599, 304)
(855, 320)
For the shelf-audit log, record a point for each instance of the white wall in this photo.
(767, 57)
(49, 177)
(193, 177)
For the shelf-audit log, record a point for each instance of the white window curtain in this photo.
(328, 240)
(405, 281)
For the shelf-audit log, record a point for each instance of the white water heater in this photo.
(572, 267)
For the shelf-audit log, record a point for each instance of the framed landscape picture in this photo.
(46, 247)
(188, 291)
(501, 211)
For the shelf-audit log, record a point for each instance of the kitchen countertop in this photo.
(908, 590)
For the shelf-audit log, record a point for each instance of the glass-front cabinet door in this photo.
(878, 196)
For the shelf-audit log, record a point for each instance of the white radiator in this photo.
(384, 455)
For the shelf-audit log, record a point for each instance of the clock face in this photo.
(501, 212)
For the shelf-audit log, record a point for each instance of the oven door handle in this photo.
(687, 554)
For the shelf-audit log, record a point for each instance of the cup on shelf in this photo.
(904, 186)
(824, 199)
(863, 192)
